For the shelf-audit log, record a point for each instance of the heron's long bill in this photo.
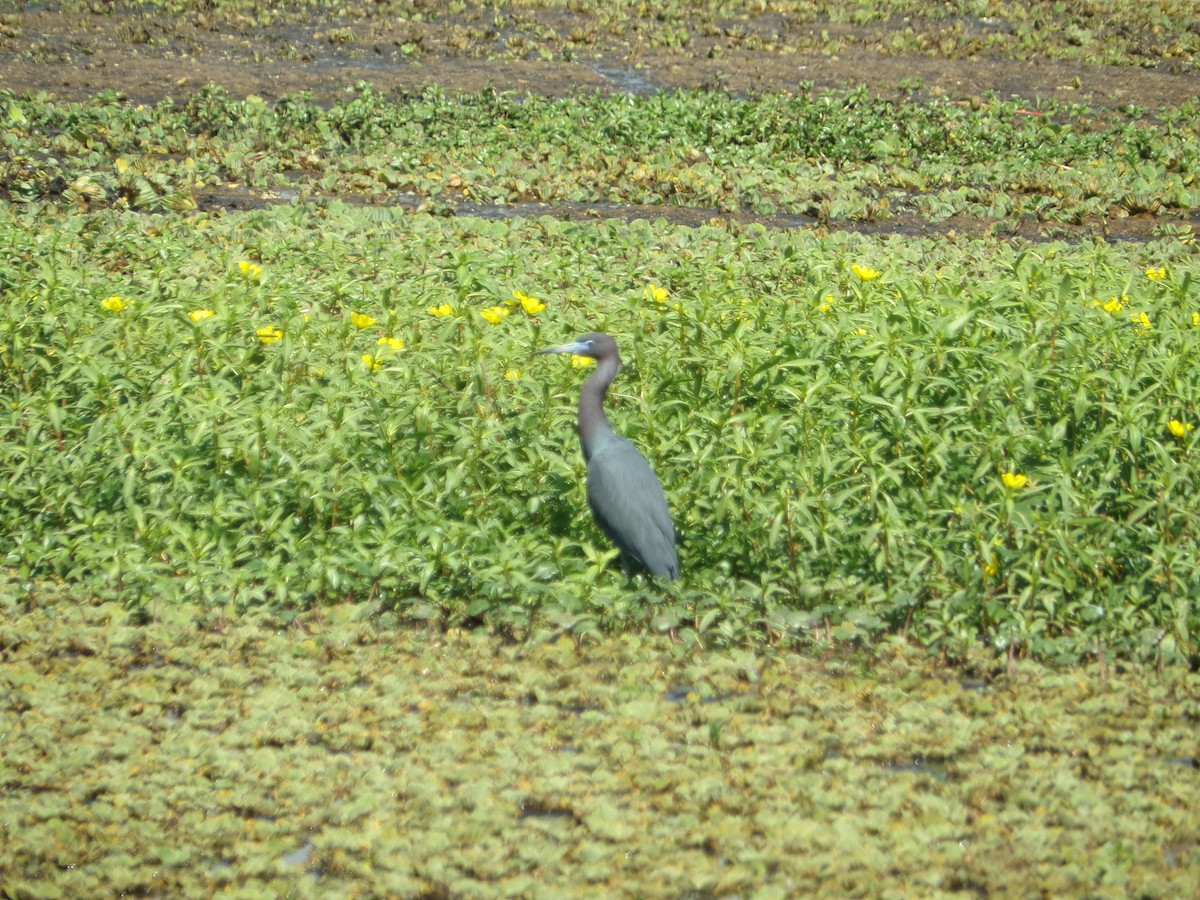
(577, 347)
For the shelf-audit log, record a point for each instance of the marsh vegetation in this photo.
(300, 594)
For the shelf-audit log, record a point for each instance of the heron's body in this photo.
(625, 495)
(629, 505)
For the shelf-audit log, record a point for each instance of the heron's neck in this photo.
(593, 424)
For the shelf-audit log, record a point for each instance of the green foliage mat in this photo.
(950, 439)
(335, 757)
(835, 157)
(261, 469)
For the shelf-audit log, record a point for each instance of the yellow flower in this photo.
(581, 362)
(1156, 274)
(269, 334)
(864, 273)
(990, 568)
(250, 271)
(1141, 319)
(373, 363)
(1179, 429)
(861, 331)
(827, 304)
(531, 305)
(512, 374)
(199, 315)
(656, 294)
(361, 320)
(1196, 320)
(114, 304)
(1112, 305)
(444, 310)
(392, 343)
(1013, 481)
(494, 314)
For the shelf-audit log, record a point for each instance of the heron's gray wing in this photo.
(628, 502)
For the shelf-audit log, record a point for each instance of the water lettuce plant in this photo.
(833, 157)
(340, 755)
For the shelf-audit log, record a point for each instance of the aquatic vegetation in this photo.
(296, 596)
(338, 753)
(494, 314)
(837, 157)
(834, 448)
(1180, 429)
(394, 344)
(1014, 481)
(531, 305)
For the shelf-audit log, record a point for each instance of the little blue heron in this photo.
(625, 495)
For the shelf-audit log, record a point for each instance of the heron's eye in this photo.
(589, 344)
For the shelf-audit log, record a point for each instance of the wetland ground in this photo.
(556, 52)
(169, 726)
(1096, 57)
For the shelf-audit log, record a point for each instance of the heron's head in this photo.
(595, 345)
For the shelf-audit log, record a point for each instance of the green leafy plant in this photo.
(836, 156)
(336, 752)
(244, 409)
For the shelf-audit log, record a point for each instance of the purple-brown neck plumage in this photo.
(593, 424)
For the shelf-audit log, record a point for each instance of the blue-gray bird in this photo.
(625, 495)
